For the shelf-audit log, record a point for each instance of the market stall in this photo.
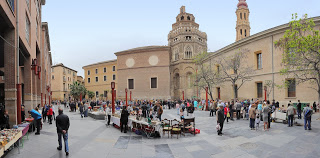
(1, 151)
(10, 137)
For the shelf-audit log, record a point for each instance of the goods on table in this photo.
(7, 135)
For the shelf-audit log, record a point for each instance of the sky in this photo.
(84, 32)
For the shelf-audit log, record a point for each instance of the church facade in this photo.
(168, 72)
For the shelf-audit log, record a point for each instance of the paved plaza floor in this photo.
(89, 138)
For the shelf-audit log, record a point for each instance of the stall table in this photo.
(13, 141)
(31, 126)
(1, 151)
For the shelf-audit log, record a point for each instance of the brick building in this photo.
(25, 57)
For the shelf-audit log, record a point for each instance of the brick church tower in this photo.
(243, 24)
(186, 41)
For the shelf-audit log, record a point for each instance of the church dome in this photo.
(242, 4)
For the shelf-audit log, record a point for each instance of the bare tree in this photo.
(301, 52)
(206, 76)
(234, 69)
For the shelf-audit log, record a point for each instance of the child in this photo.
(257, 122)
(181, 114)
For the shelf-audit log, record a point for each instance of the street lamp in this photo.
(130, 95)
(126, 96)
(112, 92)
(182, 95)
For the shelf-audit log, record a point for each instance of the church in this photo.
(167, 72)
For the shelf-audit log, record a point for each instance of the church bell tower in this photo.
(243, 24)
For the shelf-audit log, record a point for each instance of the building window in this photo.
(104, 78)
(96, 71)
(113, 68)
(11, 4)
(154, 82)
(240, 15)
(188, 53)
(182, 18)
(64, 87)
(64, 78)
(113, 77)
(240, 31)
(131, 83)
(27, 29)
(88, 72)
(291, 87)
(53, 77)
(105, 69)
(244, 15)
(188, 18)
(105, 94)
(176, 56)
(97, 94)
(88, 80)
(259, 61)
(245, 33)
(97, 79)
(259, 90)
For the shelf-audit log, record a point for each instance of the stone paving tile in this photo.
(92, 138)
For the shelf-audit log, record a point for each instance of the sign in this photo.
(112, 85)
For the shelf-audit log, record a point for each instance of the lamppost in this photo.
(206, 98)
(182, 95)
(265, 93)
(126, 96)
(112, 92)
(130, 95)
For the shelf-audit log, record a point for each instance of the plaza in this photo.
(92, 138)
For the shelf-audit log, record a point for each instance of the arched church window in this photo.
(241, 31)
(188, 53)
(188, 17)
(245, 33)
(244, 16)
(182, 18)
(240, 15)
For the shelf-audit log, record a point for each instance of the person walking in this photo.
(220, 119)
(195, 104)
(314, 106)
(108, 113)
(299, 109)
(86, 107)
(238, 108)
(265, 111)
(124, 119)
(252, 116)
(50, 113)
(290, 113)
(37, 119)
(211, 107)
(160, 111)
(307, 113)
(63, 124)
(81, 109)
(227, 113)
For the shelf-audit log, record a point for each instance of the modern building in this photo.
(25, 57)
(61, 80)
(98, 78)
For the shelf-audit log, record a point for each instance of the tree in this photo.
(234, 69)
(206, 76)
(301, 52)
(91, 94)
(77, 89)
(270, 86)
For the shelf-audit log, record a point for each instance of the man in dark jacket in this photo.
(220, 118)
(63, 123)
(124, 119)
(299, 109)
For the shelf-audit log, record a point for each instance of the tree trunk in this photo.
(234, 93)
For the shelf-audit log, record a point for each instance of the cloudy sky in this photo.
(83, 32)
